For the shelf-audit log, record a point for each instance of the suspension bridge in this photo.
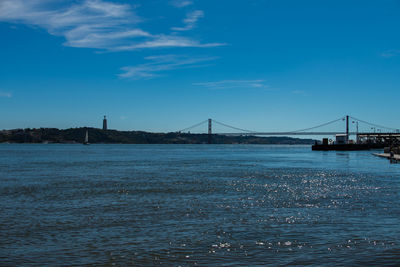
(368, 130)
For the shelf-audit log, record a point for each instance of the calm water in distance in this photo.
(206, 205)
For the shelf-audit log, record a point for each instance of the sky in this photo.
(163, 65)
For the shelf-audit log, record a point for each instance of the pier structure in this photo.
(387, 139)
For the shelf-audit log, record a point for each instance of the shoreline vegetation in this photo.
(99, 136)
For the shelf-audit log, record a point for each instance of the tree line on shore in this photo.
(77, 135)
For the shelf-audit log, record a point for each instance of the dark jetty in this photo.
(346, 147)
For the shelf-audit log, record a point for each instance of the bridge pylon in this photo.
(347, 129)
(210, 131)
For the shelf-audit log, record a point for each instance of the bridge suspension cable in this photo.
(193, 126)
(233, 127)
(373, 124)
(318, 126)
(296, 131)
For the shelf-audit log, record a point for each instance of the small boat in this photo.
(86, 138)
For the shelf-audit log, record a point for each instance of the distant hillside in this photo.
(96, 136)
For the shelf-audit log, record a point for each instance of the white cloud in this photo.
(162, 63)
(162, 41)
(91, 23)
(229, 84)
(190, 20)
(98, 24)
(5, 94)
(181, 3)
(391, 53)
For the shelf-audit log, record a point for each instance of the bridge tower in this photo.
(347, 129)
(209, 131)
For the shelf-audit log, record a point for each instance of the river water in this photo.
(206, 205)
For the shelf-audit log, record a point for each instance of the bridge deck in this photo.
(394, 135)
(284, 133)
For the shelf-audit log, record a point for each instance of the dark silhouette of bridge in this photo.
(374, 130)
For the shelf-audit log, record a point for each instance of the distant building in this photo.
(104, 123)
(341, 139)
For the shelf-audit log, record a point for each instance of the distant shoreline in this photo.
(78, 144)
(99, 136)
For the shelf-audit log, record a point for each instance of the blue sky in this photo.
(163, 65)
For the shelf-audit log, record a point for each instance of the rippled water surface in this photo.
(200, 205)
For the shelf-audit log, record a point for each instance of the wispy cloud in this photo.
(5, 94)
(91, 23)
(190, 20)
(181, 3)
(163, 41)
(391, 53)
(97, 24)
(229, 84)
(159, 64)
